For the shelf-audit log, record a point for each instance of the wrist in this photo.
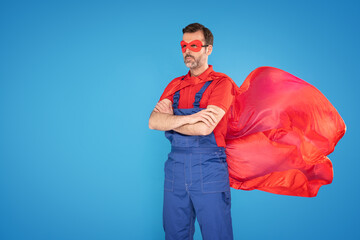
(186, 119)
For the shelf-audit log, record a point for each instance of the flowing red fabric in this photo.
(280, 131)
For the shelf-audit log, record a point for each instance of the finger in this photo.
(161, 108)
(206, 121)
(212, 111)
(210, 120)
(210, 116)
(164, 106)
(162, 103)
(170, 107)
(156, 109)
(214, 114)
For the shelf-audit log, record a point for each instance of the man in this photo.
(193, 110)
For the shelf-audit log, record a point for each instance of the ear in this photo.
(209, 50)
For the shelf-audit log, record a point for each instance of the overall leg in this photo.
(178, 210)
(212, 197)
(178, 216)
(213, 212)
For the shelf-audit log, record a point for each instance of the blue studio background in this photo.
(78, 80)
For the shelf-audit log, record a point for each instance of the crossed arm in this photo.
(201, 123)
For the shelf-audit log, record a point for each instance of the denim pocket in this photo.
(214, 173)
(226, 196)
(169, 174)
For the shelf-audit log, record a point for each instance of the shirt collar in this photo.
(203, 77)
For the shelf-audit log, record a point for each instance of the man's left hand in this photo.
(164, 106)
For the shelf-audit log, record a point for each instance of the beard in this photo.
(193, 62)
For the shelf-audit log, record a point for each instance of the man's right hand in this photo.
(206, 116)
(164, 106)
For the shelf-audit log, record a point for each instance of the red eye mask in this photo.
(194, 46)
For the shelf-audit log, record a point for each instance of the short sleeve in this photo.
(165, 95)
(169, 90)
(222, 94)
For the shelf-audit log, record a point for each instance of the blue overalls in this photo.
(196, 183)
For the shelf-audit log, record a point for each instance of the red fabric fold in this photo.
(280, 131)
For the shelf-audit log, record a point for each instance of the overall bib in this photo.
(196, 183)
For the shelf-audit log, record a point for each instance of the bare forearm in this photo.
(201, 128)
(200, 123)
(195, 129)
(166, 122)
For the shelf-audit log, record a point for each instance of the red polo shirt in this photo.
(219, 93)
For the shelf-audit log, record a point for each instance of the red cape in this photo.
(280, 131)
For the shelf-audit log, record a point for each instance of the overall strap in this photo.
(199, 94)
(176, 97)
(176, 100)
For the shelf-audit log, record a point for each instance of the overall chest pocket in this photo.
(214, 173)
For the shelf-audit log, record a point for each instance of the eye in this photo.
(194, 46)
(183, 46)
